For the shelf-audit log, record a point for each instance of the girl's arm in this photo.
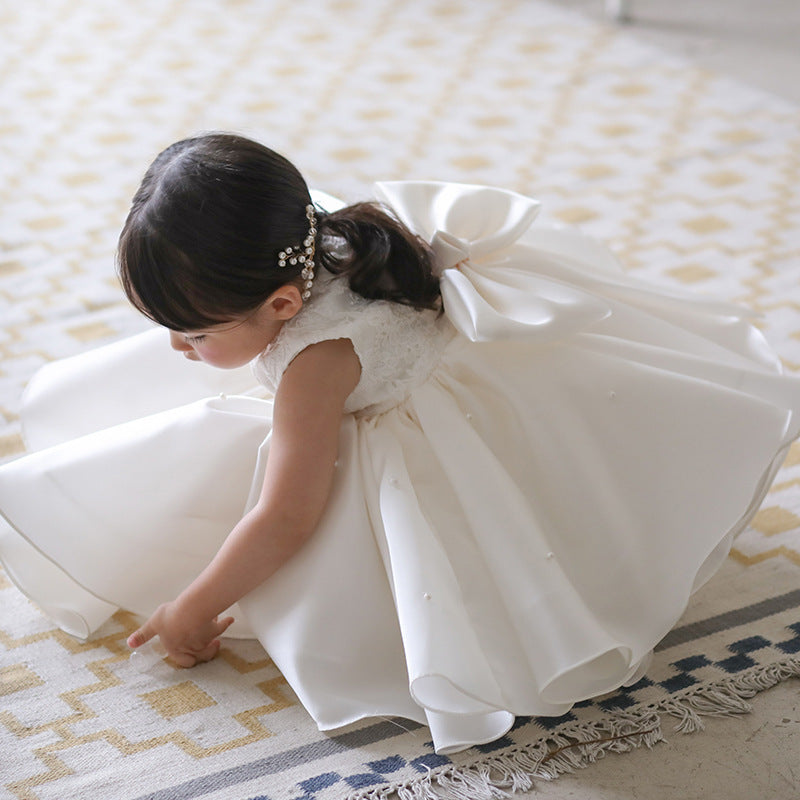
(307, 416)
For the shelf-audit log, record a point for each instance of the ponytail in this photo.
(382, 259)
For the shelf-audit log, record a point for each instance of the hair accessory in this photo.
(292, 256)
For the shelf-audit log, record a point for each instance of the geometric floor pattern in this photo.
(102, 718)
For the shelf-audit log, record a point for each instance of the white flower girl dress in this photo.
(529, 486)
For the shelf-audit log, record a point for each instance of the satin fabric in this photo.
(515, 535)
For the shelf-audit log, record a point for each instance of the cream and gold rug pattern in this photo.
(692, 179)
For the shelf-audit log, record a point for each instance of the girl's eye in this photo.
(194, 339)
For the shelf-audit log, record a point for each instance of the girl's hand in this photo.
(187, 639)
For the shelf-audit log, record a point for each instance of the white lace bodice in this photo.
(398, 347)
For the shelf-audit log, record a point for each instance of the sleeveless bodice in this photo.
(398, 346)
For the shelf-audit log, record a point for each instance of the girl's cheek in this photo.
(210, 355)
(196, 353)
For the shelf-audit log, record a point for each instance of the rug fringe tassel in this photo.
(571, 748)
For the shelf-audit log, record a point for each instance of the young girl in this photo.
(484, 473)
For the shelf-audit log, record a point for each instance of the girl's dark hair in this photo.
(200, 244)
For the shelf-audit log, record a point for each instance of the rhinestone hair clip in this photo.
(292, 256)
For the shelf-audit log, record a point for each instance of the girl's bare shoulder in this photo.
(323, 373)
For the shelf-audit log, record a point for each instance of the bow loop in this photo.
(481, 219)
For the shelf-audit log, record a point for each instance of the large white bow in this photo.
(493, 286)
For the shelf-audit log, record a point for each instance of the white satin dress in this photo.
(528, 487)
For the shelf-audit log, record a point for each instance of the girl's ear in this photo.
(284, 302)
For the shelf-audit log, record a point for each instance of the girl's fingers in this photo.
(185, 660)
(138, 638)
(207, 653)
(223, 625)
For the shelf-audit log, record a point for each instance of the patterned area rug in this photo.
(692, 179)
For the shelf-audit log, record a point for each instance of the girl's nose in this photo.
(178, 342)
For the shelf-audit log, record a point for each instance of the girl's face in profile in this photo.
(230, 344)
(235, 343)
